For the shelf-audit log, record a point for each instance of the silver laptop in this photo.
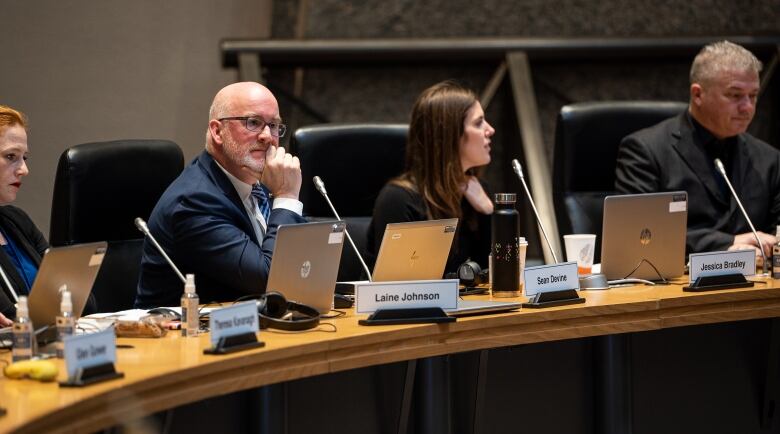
(479, 307)
(74, 267)
(414, 250)
(642, 231)
(306, 262)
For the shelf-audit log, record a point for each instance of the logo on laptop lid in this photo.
(305, 269)
(645, 236)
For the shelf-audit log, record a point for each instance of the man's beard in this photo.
(242, 157)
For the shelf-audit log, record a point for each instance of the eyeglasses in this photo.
(254, 123)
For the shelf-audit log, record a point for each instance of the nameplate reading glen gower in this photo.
(88, 350)
(372, 296)
(237, 319)
(548, 278)
(720, 263)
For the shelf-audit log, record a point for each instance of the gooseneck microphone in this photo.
(519, 171)
(320, 185)
(141, 225)
(722, 171)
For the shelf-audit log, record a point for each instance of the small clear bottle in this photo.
(776, 255)
(66, 322)
(190, 321)
(24, 333)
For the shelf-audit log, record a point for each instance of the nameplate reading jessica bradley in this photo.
(720, 263)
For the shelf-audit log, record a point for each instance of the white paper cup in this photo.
(522, 246)
(580, 248)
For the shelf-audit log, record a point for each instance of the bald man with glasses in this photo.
(218, 219)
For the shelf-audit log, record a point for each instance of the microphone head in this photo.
(517, 168)
(319, 185)
(720, 167)
(140, 224)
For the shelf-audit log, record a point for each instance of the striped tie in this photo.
(262, 201)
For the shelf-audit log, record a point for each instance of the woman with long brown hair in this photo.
(448, 143)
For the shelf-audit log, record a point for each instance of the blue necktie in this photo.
(262, 201)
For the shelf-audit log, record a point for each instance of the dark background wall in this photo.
(88, 71)
(386, 93)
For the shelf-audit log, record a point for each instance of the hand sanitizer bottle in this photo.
(24, 333)
(190, 321)
(66, 323)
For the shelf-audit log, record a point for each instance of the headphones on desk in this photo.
(471, 274)
(276, 312)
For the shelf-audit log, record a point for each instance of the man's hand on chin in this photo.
(282, 173)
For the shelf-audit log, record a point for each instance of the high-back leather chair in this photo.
(99, 189)
(355, 161)
(587, 137)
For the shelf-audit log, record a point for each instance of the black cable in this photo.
(658, 273)
(337, 314)
(472, 290)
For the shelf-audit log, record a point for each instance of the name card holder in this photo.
(552, 285)
(407, 316)
(93, 374)
(714, 271)
(234, 328)
(231, 344)
(406, 302)
(90, 358)
(554, 298)
(714, 283)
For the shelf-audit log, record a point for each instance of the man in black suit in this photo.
(219, 218)
(679, 154)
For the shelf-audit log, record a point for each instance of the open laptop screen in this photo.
(306, 262)
(414, 250)
(644, 235)
(72, 267)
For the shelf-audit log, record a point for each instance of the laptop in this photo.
(74, 267)
(479, 307)
(644, 230)
(305, 263)
(414, 250)
(419, 251)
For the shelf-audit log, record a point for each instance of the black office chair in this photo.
(99, 189)
(355, 161)
(587, 137)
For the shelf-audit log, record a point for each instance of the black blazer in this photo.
(18, 226)
(667, 157)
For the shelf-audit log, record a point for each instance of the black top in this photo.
(17, 225)
(677, 154)
(396, 204)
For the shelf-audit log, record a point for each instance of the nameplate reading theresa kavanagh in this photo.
(233, 320)
(371, 296)
(547, 278)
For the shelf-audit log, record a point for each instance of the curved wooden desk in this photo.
(169, 372)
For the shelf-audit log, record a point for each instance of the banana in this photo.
(41, 370)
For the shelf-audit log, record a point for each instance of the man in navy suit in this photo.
(218, 220)
(679, 154)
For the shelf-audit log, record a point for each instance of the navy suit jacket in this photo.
(204, 228)
(668, 157)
